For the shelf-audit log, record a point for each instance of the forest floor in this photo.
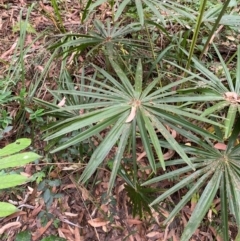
(68, 210)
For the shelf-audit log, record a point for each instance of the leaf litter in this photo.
(78, 215)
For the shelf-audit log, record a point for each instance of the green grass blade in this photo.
(216, 23)
(58, 15)
(175, 120)
(86, 10)
(96, 4)
(155, 11)
(196, 31)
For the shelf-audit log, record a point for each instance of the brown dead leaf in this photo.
(97, 222)
(71, 214)
(8, 52)
(232, 97)
(133, 221)
(41, 231)
(62, 102)
(36, 211)
(10, 225)
(220, 146)
(77, 235)
(131, 115)
(153, 234)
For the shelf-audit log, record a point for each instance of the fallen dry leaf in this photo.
(133, 221)
(97, 222)
(10, 225)
(62, 102)
(41, 231)
(131, 115)
(153, 234)
(220, 146)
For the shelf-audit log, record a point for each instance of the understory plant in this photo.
(128, 111)
(117, 107)
(11, 158)
(216, 173)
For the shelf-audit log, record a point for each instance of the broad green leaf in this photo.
(15, 147)
(18, 160)
(203, 205)
(23, 236)
(230, 20)
(12, 180)
(7, 209)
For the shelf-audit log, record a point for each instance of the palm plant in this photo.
(211, 88)
(109, 39)
(217, 172)
(128, 111)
